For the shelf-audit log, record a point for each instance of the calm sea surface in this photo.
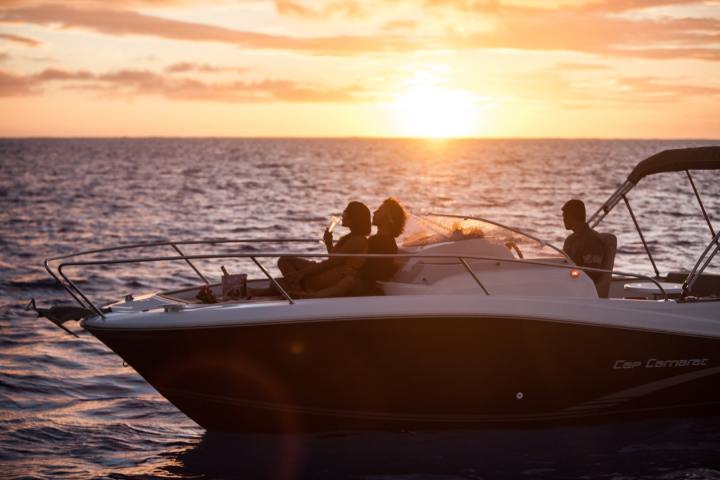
(69, 409)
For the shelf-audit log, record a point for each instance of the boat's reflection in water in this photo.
(662, 449)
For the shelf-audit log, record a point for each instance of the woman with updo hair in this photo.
(390, 220)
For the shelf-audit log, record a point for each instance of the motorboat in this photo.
(481, 325)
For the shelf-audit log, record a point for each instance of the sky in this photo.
(360, 68)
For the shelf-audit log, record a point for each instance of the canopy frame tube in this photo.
(621, 194)
(700, 202)
(610, 203)
(700, 266)
(642, 237)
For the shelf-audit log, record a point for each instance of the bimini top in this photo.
(677, 160)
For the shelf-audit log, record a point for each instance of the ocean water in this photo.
(70, 409)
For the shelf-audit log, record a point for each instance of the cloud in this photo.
(555, 87)
(120, 4)
(617, 6)
(347, 8)
(603, 6)
(660, 90)
(581, 67)
(131, 83)
(12, 85)
(396, 25)
(709, 54)
(591, 28)
(493, 7)
(54, 74)
(656, 38)
(30, 42)
(185, 67)
(126, 22)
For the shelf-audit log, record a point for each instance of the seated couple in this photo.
(336, 277)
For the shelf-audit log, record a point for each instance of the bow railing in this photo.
(76, 292)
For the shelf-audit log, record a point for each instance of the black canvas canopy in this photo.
(678, 160)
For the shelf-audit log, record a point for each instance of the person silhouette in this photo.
(584, 246)
(390, 219)
(305, 278)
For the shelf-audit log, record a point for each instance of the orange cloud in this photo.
(581, 67)
(54, 74)
(482, 6)
(125, 22)
(660, 90)
(609, 90)
(347, 8)
(399, 25)
(12, 85)
(617, 6)
(603, 6)
(185, 67)
(144, 82)
(592, 28)
(19, 39)
(123, 4)
(709, 54)
(612, 36)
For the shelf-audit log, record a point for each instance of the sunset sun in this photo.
(435, 112)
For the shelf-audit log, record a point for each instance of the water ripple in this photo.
(70, 409)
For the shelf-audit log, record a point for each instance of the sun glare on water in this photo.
(435, 112)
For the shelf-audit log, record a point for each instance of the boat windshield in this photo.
(425, 230)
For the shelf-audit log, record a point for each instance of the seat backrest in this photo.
(603, 283)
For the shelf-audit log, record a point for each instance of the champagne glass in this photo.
(334, 221)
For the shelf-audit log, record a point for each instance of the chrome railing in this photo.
(82, 299)
(71, 286)
(75, 292)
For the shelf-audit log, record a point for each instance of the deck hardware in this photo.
(58, 315)
(129, 298)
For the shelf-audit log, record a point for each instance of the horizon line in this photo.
(344, 137)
